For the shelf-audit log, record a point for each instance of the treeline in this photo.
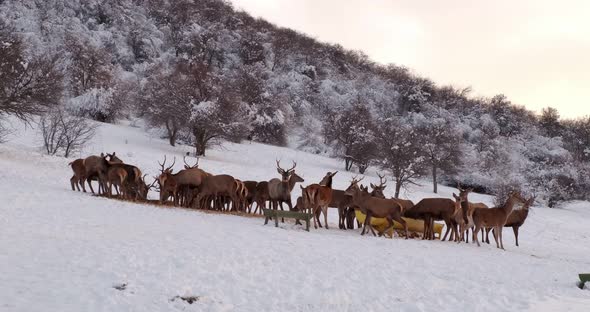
(201, 72)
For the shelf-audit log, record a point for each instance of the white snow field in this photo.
(66, 251)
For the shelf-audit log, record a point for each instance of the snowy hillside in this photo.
(67, 251)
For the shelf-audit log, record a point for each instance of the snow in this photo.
(66, 251)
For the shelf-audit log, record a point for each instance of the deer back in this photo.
(438, 208)
(78, 167)
(339, 199)
(219, 184)
(192, 177)
(251, 187)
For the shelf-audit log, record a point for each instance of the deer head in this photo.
(112, 158)
(327, 179)
(285, 174)
(353, 188)
(378, 189)
(458, 201)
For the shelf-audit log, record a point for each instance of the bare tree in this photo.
(352, 132)
(28, 87)
(400, 150)
(63, 132)
(441, 140)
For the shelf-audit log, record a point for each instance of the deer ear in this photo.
(333, 174)
(301, 186)
(113, 153)
(384, 186)
(372, 185)
(101, 154)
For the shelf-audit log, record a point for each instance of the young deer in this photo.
(261, 196)
(515, 219)
(339, 200)
(495, 218)
(79, 176)
(318, 197)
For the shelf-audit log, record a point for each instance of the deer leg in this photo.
(90, 185)
(446, 232)
(325, 211)
(500, 229)
(475, 232)
(72, 181)
(401, 221)
(496, 237)
(365, 225)
(487, 235)
(515, 229)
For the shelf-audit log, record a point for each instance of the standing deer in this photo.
(317, 198)
(431, 209)
(339, 200)
(217, 187)
(279, 190)
(495, 218)
(261, 196)
(515, 219)
(170, 183)
(95, 167)
(375, 207)
(378, 189)
(467, 209)
(79, 176)
(251, 192)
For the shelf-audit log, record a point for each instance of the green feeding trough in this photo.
(585, 277)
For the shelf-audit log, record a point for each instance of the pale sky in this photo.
(537, 52)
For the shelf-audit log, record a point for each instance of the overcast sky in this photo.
(537, 52)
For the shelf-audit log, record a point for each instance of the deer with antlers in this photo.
(375, 207)
(495, 218)
(279, 190)
(170, 184)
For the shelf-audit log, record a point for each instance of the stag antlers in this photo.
(187, 166)
(164, 164)
(282, 171)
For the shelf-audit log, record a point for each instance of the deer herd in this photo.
(195, 188)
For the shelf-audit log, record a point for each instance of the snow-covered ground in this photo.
(65, 251)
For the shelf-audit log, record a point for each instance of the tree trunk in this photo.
(347, 163)
(172, 132)
(434, 180)
(398, 187)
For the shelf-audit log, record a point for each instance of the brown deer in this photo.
(317, 198)
(79, 176)
(261, 196)
(242, 194)
(339, 201)
(216, 187)
(515, 219)
(171, 183)
(117, 176)
(251, 192)
(95, 167)
(378, 189)
(279, 190)
(375, 207)
(495, 218)
(431, 209)
(467, 209)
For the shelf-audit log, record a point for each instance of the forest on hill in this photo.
(201, 71)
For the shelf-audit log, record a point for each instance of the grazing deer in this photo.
(375, 207)
(515, 219)
(261, 196)
(79, 176)
(317, 198)
(495, 218)
(217, 187)
(431, 209)
(279, 190)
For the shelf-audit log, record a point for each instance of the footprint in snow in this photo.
(120, 287)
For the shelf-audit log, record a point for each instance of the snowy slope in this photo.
(64, 251)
